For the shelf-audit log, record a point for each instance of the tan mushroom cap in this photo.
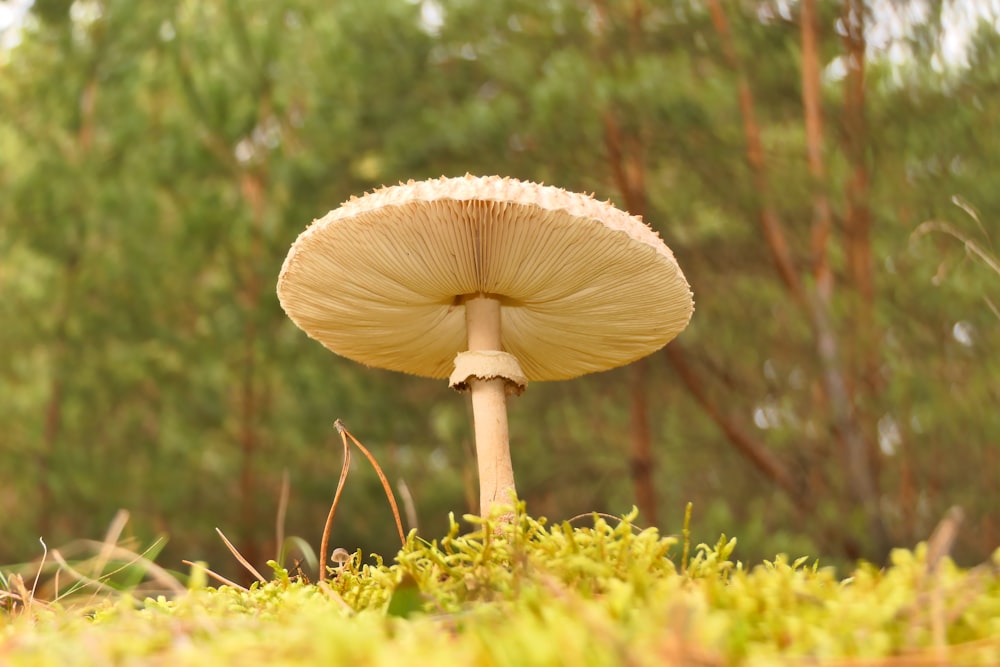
(583, 286)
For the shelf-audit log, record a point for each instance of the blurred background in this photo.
(825, 172)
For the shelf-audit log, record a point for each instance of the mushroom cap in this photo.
(583, 286)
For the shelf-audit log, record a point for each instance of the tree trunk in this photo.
(770, 223)
(812, 106)
(863, 358)
(756, 452)
(625, 159)
(642, 441)
(815, 303)
(252, 189)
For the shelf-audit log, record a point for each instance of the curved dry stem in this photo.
(324, 544)
(385, 484)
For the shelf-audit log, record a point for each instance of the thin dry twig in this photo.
(243, 561)
(215, 575)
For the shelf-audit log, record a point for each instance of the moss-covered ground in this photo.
(529, 593)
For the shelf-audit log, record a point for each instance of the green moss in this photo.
(530, 593)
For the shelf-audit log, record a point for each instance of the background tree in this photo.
(834, 393)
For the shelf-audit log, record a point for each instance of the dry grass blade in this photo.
(215, 575)
(14, 599)
(938, 546)
(111, 538)
(20, 594)
(385, 482)
(972, 213)
(324, 544)
(941, 540)
(243, 561)
(992, 306)
(129, 558)
(971, 246)
(928, 611)
(79, 576)
(38, 574)
(408, 506)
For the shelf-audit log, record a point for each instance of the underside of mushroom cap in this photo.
(583, 286)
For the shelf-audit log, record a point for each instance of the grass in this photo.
(524, 593)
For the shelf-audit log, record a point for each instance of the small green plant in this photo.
(527, 591)
(507, 589)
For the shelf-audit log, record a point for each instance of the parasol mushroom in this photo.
(489, 282)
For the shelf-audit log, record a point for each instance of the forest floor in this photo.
(519, 593)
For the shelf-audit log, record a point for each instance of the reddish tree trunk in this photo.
(755, 451)
(770, 222)
(628, 171)
(642, 441)
(857, 222)
(860, 265)
(812, 106)
(815, 304)
(252, 189)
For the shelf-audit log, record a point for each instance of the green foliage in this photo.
(527, 592)
(148, 200)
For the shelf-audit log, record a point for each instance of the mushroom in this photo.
(489, 282)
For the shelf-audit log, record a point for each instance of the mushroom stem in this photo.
(489, 408)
